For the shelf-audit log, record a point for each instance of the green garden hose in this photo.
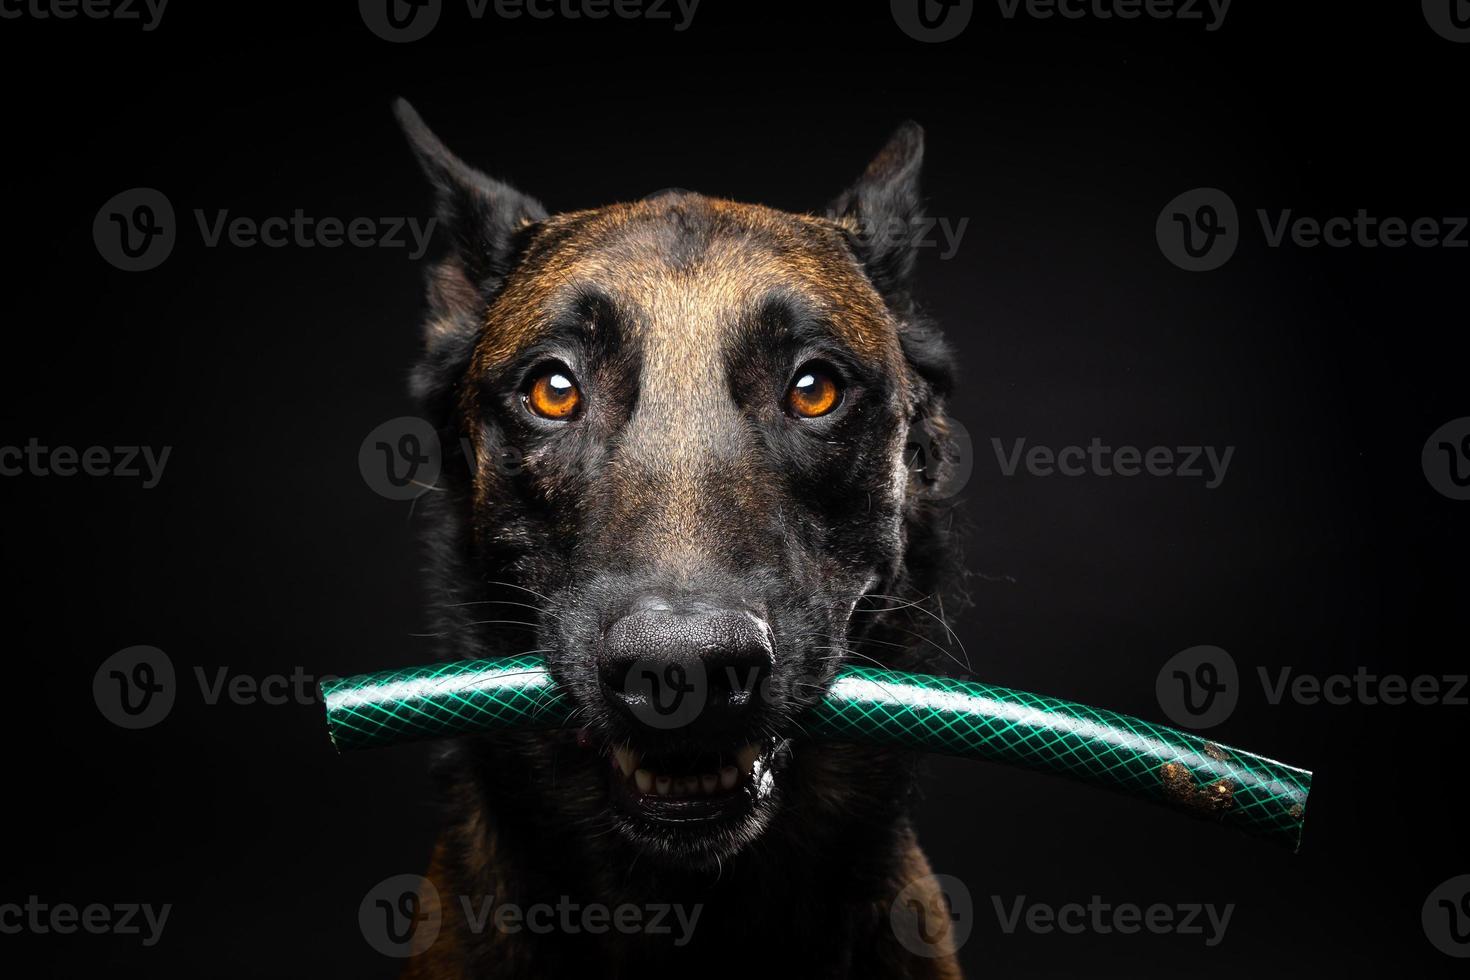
(914, 711)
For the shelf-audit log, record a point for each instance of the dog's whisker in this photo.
(964, 664)
(548, 697)
(504, 602)
(864, 656)
(484, 622)
(901, 603)
(953, 636)
(503, 622)
(513, 585)
(859, 641)
(461, 627)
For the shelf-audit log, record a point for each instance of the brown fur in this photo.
(683, 311)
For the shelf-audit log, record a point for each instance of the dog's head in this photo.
(688, 472)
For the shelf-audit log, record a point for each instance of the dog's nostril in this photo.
(674, 664)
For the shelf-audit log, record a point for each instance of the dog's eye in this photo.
(553, 394)
(814, 392)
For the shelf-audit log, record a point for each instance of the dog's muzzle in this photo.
(688, 678)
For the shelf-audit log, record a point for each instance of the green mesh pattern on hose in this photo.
(914, 711)
(441, 699)
(941, 714)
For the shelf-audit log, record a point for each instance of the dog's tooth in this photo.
(728, 775)
(644, 779)
(662, 784)
(625, 759)
(746, 757)
(708, 782)
(688, 786)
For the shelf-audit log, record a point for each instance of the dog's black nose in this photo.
(691, 665)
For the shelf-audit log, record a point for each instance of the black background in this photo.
(262, 550)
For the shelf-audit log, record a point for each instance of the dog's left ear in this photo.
(881, 212)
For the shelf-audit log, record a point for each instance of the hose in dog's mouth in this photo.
(914, 711)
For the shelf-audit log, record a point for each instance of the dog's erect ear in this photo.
(882, 211)
(480, 215)
(882, 215)
(486, 222)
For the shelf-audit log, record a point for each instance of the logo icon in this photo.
(1446, 459)
(945, 470)
(1446, 917)
(1198, 230)
(400, 21)
(1449, 18)
(666, 694)
(400, 916)
(933, 916)
(400, 459)
(933, 21)
(134, 688)
(1198, 687)
(135, 230)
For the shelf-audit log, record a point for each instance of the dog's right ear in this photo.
(485, 222)
(481, 216)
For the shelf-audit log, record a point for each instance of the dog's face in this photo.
(686, 423)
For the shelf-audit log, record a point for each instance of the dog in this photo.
(698, 443)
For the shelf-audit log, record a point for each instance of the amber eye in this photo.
(553, 394)
(814, 392)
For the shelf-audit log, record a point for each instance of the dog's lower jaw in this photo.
(696, 823)
(810, 897)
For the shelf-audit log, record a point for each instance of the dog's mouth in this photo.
(693, 791)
